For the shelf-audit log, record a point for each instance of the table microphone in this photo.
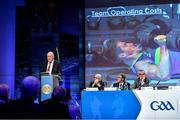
(157, 83)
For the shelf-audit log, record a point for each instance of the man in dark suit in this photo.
(121, 84)
(97, 82)
(52, 67)
(141, 81)
(56, 107)
(5, 107)
(24, 107)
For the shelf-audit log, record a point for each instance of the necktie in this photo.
(120, 86)
(49, 67)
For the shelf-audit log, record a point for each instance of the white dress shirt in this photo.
(142, 81)
(121, 85)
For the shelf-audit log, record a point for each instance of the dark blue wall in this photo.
(7, 43)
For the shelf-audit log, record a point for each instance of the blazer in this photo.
(55, 70)
(101, 87)
(125, 86)
(137, 83)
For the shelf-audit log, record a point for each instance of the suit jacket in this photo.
(137, 83)
(25, 108)
(125, 86)
(101, 87)
(55, 70)
(55, 109)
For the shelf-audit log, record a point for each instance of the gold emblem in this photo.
(46, 89)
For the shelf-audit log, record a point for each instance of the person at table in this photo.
(141, 81)
(121, 83)
(97, 82)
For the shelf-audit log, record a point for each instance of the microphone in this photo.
(57, 51)
(157, 84)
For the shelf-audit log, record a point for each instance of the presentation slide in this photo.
(125, 39)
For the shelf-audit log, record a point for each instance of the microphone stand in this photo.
(157, 85)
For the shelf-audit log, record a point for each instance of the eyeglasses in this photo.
(119, 77)
(141, 73)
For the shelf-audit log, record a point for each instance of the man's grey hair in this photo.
(51, 53)
(98, 75)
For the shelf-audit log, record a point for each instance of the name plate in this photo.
(173, 87)
(110, 89)
(146, 88)
(91, 89)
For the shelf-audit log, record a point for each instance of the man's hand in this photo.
(96, 81)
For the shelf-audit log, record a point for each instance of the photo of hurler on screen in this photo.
(126, 39)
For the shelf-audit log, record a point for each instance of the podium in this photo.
(48, 83)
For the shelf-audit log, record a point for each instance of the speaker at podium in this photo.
(48, 83)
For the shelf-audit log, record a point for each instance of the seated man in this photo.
(97, 82)
(141, 81)
(5, 107)
(4, 93)
(24, 107)
(121, 84)
(57, 106)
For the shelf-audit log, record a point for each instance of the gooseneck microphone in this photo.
(157, 83)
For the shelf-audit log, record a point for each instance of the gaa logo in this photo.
(46, 89)
(155, 105)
